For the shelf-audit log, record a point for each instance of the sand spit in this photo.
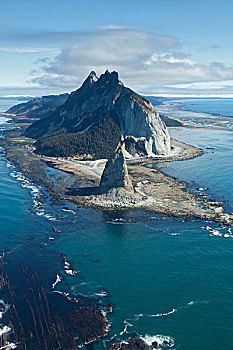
(180, 151)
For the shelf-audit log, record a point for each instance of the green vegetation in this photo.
(40, 127)
(100, 141)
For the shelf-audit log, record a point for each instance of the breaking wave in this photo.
(162, 340)
(38, 208)
(221, 232)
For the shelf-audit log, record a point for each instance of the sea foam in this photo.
(58, 279)
(163, 340)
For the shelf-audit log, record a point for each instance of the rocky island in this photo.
(103, 120)
(106, 139)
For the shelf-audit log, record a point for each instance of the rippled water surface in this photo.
(165, 277)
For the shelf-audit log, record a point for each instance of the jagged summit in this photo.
(110, 78)
(99, 97)
(91, 79)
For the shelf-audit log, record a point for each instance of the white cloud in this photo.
(28, 49)
(169, 58)
(146, 61)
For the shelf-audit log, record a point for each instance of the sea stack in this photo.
(115, 174)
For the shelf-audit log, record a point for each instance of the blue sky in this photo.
(167, 47)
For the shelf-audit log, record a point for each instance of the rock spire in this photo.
(115, 174)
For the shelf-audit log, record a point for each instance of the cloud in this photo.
(122, 49)
(28, 49)
(145, 61)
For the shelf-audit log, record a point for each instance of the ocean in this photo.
(210, 105)
(168, 279)
(7, 104)
(213, 113)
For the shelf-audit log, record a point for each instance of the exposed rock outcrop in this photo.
(136, 146)
(94, 100)
(134, 343)
(115, 173)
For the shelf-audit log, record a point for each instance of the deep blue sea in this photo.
(167, 278)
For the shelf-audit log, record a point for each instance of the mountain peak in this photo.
(92, 78)
(97, 100)
(93, 75)
(109, 77)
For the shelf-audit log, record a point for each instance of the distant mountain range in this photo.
(38, 107)
(17, 98)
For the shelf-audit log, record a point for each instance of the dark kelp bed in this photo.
(41, 318)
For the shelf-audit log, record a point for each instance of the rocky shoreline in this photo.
(149, 189)
(180, 151)
(152, 190)
(134, 343)
(156, 192)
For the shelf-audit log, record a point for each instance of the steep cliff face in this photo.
(96, 97)
(139, 119)
(115, 173)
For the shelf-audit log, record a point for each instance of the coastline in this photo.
(153, 190)
(94, 169)
(138, 169)
(87, 316)
(158, 193)
(196, 119)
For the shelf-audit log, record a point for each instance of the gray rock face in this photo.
(115, 173)
(139, 119)
(94, 99)
(135, 146)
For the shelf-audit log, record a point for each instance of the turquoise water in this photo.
(165, 276)
(213, 106)
(162, 266)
